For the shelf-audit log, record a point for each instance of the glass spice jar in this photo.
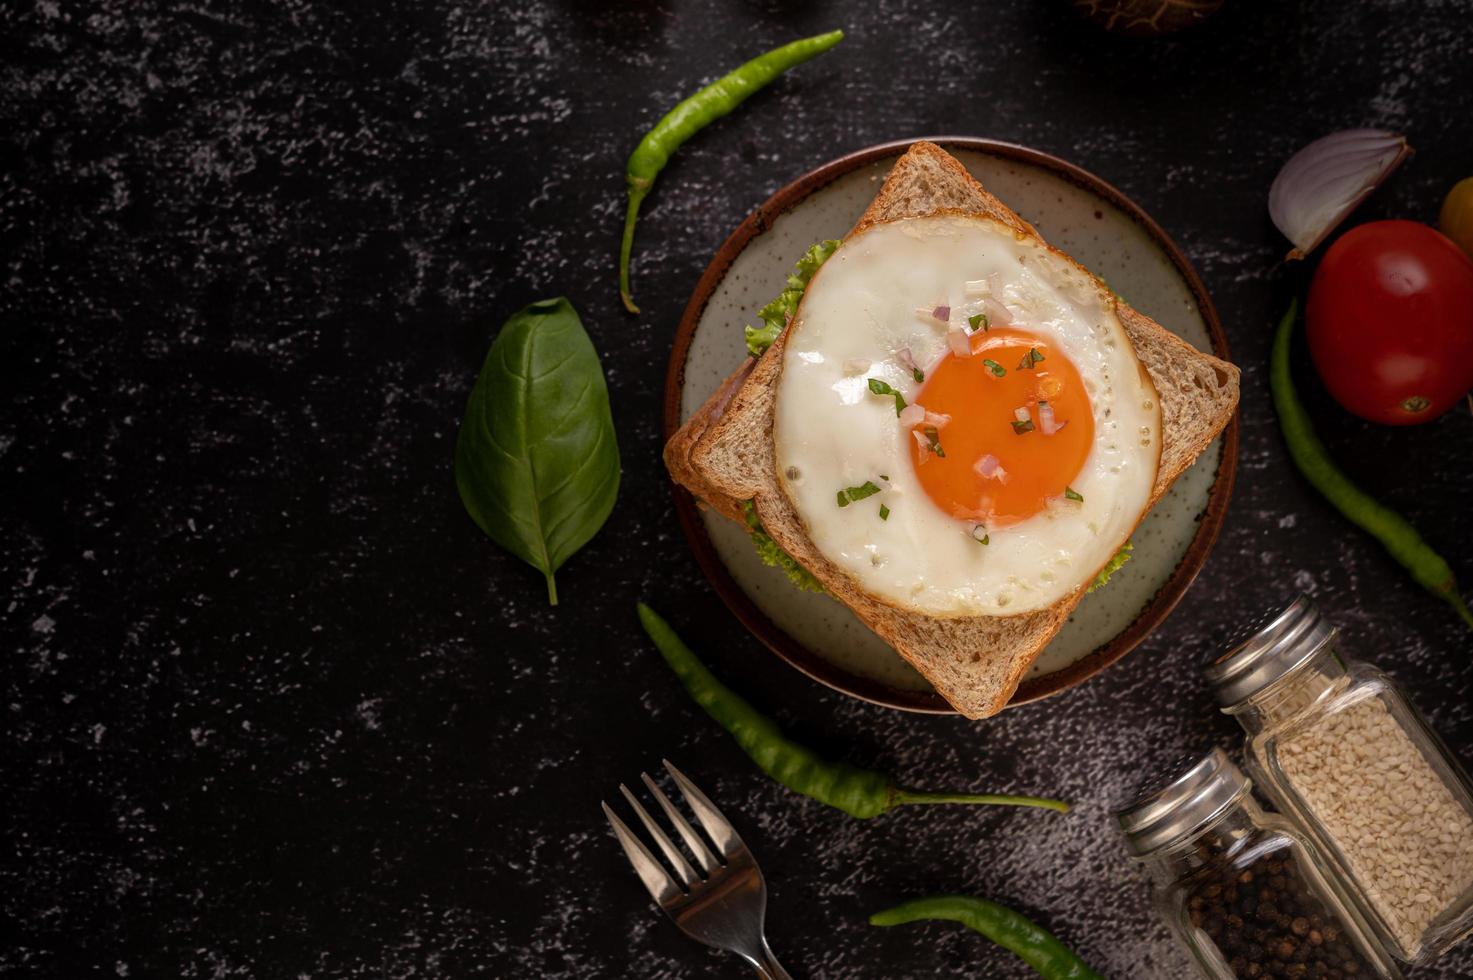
(1336, 746)
(1245, 891)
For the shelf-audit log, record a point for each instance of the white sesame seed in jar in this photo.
(1384, 819)
(1339, 749)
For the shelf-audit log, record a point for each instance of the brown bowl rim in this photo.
(795, 653)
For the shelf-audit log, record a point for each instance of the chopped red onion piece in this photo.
(921, 441)
(997, 314)
(985, 286)
(987, 467)
(1021, 414)
(956, 339)
(1046, 419)
(903, 355)
(942, 313)
(912, 414)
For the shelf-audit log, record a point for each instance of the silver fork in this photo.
(724, 904)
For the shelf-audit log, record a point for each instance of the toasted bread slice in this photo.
(724, 455)
(679, 450)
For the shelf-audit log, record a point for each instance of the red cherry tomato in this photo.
(1390, 322)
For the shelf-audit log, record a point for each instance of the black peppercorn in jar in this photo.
(1267, 922)
(1336, 746)
(1244, 891)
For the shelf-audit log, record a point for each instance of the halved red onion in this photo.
(1328, 179)
(912, 414)
(997, 314)
(956, 339)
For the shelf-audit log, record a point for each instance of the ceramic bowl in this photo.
(1073, 210)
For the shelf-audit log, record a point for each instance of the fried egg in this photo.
(961, 421)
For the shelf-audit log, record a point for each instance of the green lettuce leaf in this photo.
(771, 554)
(1121, 557)
(775, 314)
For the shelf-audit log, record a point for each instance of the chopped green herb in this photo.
(884, 513)
(997, 369)
(1073, 494)
(1021, 426)
(980, 535)
(1029, 359)
(979, 320)
(1112, 566)
(850, 494)
(933, 440)
(918, 374)
(771, 554)
(881, 388)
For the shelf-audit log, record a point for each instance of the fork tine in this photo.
(683, 870)
(698, 847)
(661, 886)
(722, 832)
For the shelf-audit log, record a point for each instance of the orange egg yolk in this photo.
(1031, 467)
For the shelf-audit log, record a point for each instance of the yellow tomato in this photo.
(1456, 219)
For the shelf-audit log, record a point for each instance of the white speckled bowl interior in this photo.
(1099, 234)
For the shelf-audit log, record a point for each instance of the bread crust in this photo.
(679, 449)
(724, 455)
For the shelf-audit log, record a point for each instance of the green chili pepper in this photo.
(858, 792)
(1035, 945)
(693, 115)
(1429, 568)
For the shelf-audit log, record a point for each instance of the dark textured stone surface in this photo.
(275, 708)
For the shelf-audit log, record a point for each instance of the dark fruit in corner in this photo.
(1146, 18)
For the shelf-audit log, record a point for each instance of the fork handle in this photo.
(767, 965)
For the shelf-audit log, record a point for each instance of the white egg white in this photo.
(831, 432)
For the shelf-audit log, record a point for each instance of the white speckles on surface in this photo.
(368, 713)
(233, 230)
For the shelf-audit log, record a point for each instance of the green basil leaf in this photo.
(536, 461)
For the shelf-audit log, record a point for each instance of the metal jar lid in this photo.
(1202, 792)
(1266, 650)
